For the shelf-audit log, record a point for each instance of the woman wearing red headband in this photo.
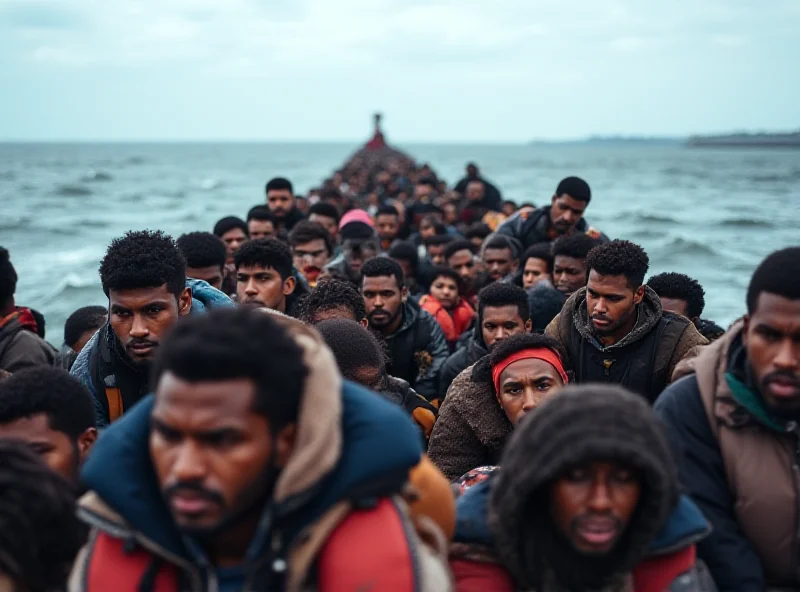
(487, 400)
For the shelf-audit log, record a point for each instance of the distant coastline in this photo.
(731, 140)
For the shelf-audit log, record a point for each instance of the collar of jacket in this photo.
(411, 312)
(648, 313)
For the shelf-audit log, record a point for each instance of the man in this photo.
(683, 295)
(81, 325)
(537, 265)
(500, 257)
(733, 423)
(460, 257)
(569, 262)
(564, 216)
(325, 213)
(416, 343)
(435, 247)
(233, 232)
(502, 312)
(312, 248)
(20, 343)
(264, 274)
(232, 477)
(283, 204)
(359, 243)
(585, 498)
(51, 412)
(205, 256)
(41, 533)
(406, 256)
(387, 223)
(333, 299)
(144, 277)
(493, 196)
(261, 223)
(477, 233)
(615, 330)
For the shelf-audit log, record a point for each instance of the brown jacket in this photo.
(471, 430)
(761, 461)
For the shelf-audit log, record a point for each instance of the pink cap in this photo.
(356, 216)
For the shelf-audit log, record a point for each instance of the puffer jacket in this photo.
(739, 464)
(642, 361)
(417, 351)
(20, 344)
(338, 519)
(530, 227)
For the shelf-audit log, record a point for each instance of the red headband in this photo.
(538, 353)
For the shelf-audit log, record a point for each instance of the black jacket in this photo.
(492, 198)
(417, 350)
(293, 217)
(473, 351)
(532, 227)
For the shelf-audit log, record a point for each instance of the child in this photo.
(445, 304)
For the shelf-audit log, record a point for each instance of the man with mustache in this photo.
(283, 203)
(144, 277)
(615, 331)
(416, 344)
(312, 248)
(253, 468)
(264, 275)
(585, 498)
(734, 422)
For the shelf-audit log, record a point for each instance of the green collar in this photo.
(752, 403)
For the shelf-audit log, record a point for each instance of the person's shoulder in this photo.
(682, 397)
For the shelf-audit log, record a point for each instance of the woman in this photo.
(487, 400)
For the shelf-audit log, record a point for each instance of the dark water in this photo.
(713, 214)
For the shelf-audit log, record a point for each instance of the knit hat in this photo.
(356, 216)
(580, 424)
(229, 223)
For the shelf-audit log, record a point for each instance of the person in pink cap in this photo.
(359, 242)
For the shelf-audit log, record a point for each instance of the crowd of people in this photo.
(392, 383)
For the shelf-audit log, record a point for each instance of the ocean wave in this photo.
(687, 246)
(650, 218)
(72, 190)
(210, 183)
(8, 175)
(96, 177)
(72, 282)
(745, 223)
(135, 160)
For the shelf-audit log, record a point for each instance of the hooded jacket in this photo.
(106, 370)
(336, 496)
(530, 227)
(417, 350)
(473, 350)
(643, 360)
(739, 464)
(20, 344)
(471, 429)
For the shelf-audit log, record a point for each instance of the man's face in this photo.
(327, 223)
(213, 274)
(280, 202)
(565, 213)
(450, 214)
(772, 339)
(140, 318)
(463, 263)
(388, 226)
(524, 384)
(536, 270)
(436, 254)
(611, 303)
(477, 242)
(472, 172)
(356, 252)
(310, 258)
(408, 269)
(592, 504)
(445, 290)
(212, 452)
(383, 300)
(569, 274)
(475, 191)
(675, 305)
(263, 286)
(261, 229)
(423, 193)
(84, 339)
(56, 449)
(499, 263)
(501, 322)
(233, 239)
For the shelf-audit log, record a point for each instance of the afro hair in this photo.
(619, 257)
(143, 259)
(332, 294)
(681, 287)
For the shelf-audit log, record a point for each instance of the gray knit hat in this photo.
(579, 424)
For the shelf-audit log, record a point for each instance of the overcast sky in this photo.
(440, 70)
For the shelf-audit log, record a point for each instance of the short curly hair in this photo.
(619, 257)
(778, 274)
(383, 266)
(143, 259)
(68, 404)
(40, 534)
(537, 251)
(680, 286)
(332, 294)
(576, 246)
(305, 232)
(265, 252)
(82, 320)
(482, 372)
(202, 249)
(499, 294)
(353, 346)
